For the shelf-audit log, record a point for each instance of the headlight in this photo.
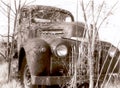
(61, 50)
(112, 51)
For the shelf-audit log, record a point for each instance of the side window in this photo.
(68, 19)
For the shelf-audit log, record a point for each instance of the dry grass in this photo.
(4, 78)
(12, 84)
(3, 72)
(15, 84)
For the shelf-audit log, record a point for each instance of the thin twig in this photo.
(30, 2)
(5, 11)
(84, 13)
(107, 15)
(8, 46)
(88, 4)
(15, 5)
(24, 3)
(3, 55)
(99, 12)
(5, 36)
(7, 6)
(19, 4)
(85, 17)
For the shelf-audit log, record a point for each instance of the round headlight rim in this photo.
(61, 45)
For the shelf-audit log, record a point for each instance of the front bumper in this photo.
(61, 80)
(50, 80)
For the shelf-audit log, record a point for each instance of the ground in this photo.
(14, 83)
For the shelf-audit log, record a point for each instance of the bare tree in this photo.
(92, 32)
(12, 14)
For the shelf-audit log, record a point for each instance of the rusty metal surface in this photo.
(50, 80)
(38, 56)
(62, 80)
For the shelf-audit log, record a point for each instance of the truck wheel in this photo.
(27, 78)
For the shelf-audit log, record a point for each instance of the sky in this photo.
(109, 32)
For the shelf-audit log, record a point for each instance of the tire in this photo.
(27, 78)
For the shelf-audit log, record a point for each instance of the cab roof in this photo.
(42, 7)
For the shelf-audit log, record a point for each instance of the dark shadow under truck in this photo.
(48, 42)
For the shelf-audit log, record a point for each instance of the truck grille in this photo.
(48, 33)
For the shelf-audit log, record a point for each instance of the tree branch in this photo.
(7, 6)
(5, 12)
(30, 2)
(107, 15)
(99, 12)
(15, 5)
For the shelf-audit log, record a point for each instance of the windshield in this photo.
(39, 14)
(49, 16)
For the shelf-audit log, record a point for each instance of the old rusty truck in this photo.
(52, 50)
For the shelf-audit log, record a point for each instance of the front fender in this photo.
(38, 56)
(108, 61)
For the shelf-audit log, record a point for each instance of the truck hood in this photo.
(59, 29)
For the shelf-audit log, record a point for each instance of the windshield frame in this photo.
(26, 10)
